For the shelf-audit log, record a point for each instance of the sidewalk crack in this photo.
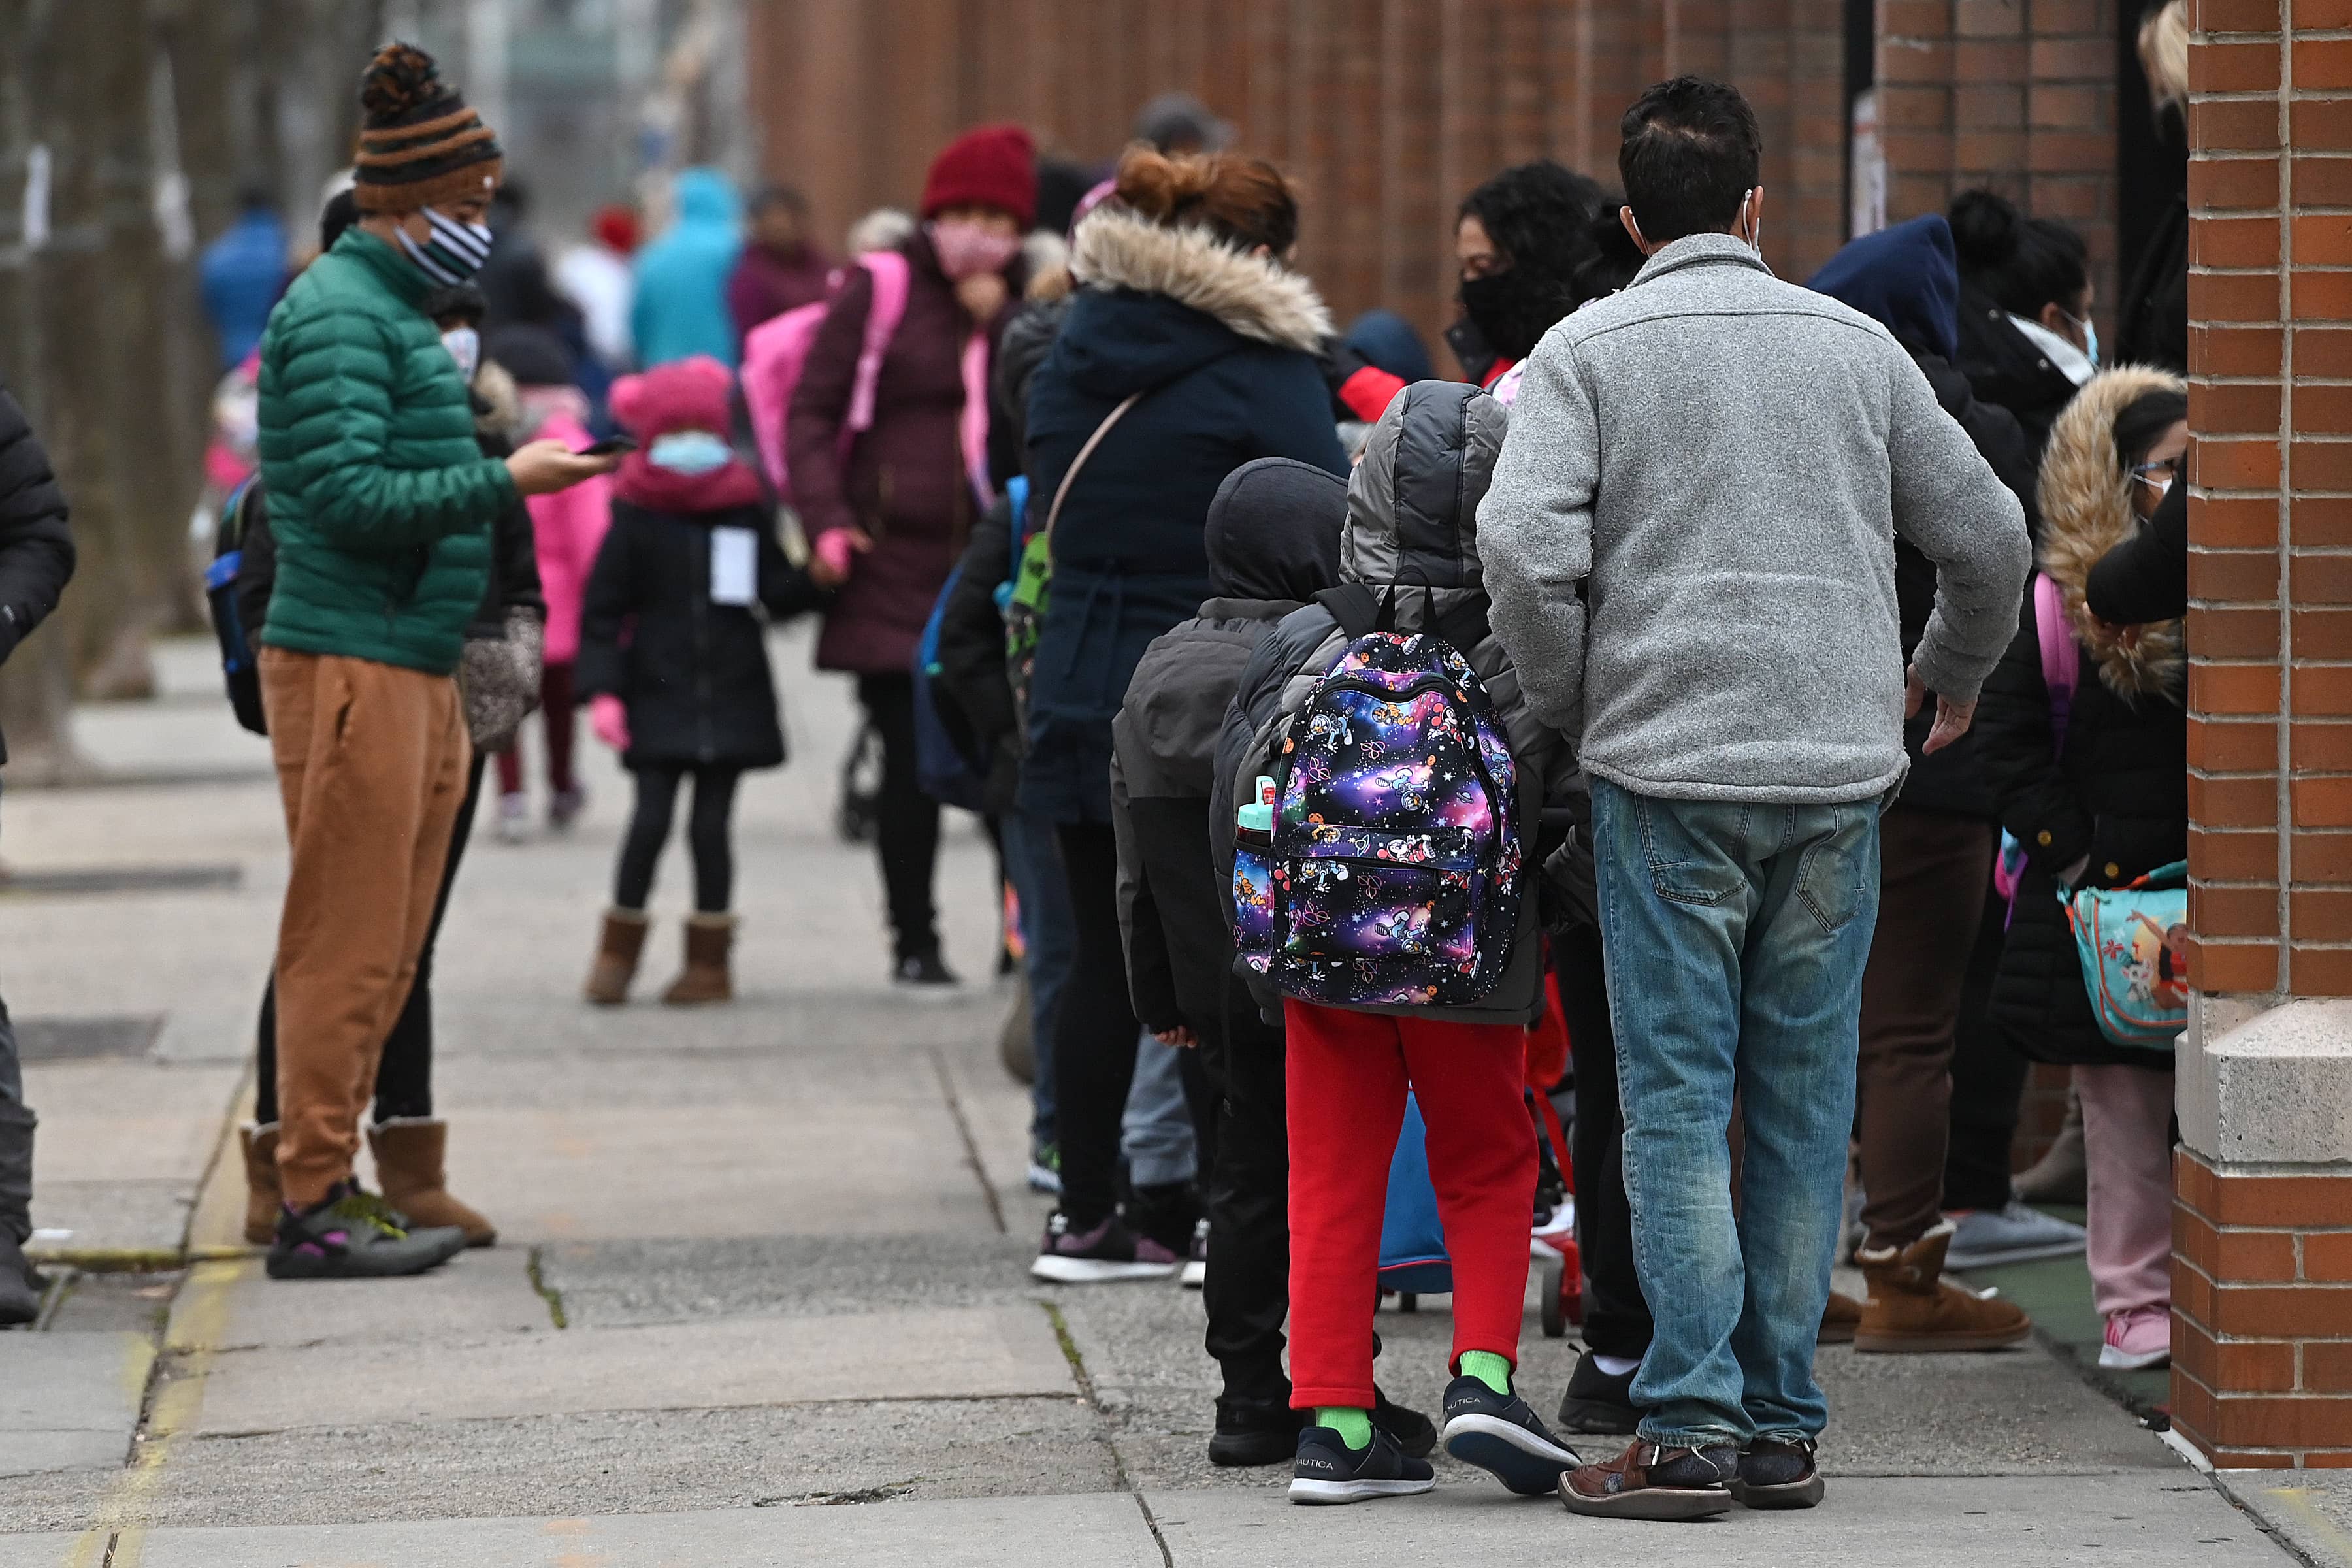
(1085, 1382)
(970, 1144)
(547, 1293)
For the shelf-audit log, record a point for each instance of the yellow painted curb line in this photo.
(2296, 1501)
(199, 1323)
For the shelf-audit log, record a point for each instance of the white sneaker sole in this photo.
(1509, 1452)
(1044, 1180)
(2113, 1360)
(1195, 1274)
(1328, 1492)
(1096, 1270)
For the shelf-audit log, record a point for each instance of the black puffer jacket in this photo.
(2116, 796)
(694, 673)
(36, 549)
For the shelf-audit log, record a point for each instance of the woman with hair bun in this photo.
(1189, 351)
(2026, 339)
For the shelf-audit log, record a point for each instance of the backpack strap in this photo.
(2062, 658)
(1354, 605)
(1062, 491)
(888, 270)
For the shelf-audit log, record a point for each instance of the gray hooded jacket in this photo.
(1413, 509)
(1721, 462)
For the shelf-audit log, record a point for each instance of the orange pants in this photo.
(372, 763)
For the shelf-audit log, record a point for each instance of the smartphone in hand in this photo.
(611, 445)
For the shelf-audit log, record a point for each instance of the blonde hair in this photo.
(2164, 52)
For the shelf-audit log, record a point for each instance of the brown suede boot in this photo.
(1911, 1308)
(409, 1153)
(705, 977)
(1839, 1320)
(616, 957)
(263, 1197)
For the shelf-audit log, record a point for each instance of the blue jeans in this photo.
(1050, 936)
(1155, 1132)
(1734, 935)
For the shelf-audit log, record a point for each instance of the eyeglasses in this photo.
(2160, 475)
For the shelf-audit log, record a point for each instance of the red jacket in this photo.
(1369, 392)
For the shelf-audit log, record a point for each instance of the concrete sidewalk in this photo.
(755, 1261)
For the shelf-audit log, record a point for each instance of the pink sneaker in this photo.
(2138, 1339)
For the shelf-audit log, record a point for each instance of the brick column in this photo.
(2263, 1235)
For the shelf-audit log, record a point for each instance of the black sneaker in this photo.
(1251, 1434)
(1499, 1432)
(1596, 1402)
(1647, 1481)
(924, 974)
(1778, 1472)
(1327, 1471)
(1414, 1433)
(1109, 1251)
(20, 1288)
(355, 1235)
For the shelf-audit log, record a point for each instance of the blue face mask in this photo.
(689, 452)
(2090, 341)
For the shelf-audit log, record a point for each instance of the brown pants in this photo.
(1935, 874)
(372, 763)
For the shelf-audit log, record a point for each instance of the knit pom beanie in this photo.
(420, 146)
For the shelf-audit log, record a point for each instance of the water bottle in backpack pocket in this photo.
(1378, 861)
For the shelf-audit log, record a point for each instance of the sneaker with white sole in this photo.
(1327, 1471)
(1046, 1168)
(514, 819)
(1499, 1434)
(2139, 1338)
(1196, 1267)
(1107, 1252)
(2014, 1234)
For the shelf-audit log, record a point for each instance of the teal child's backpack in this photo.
(2133, 943)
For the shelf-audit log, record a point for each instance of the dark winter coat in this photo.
(1272, 539)
(1906, 278)
(2117, 795)
(2005, 369)
(2154, 317)
(694, 673)
(36, 548)
(904, 485)
(2146, 578)
(1412, 506)
(1222, 343)
(969, 683)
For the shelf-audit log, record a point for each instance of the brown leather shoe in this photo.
(705, 977)
(263, 1195)
(409, 1157)
(1647, 1481)
(617, 951)
(1838, 1319)
(1912, 1309)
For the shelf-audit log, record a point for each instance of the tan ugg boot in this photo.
(705, 977)
(617, 951)
(409, 1157)
(263, 1197)
(1912, 1308)
(1839, 1320)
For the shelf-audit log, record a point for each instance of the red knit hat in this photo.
(684, 395)
(992, 167)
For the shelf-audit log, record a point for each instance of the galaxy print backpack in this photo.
(1379, 860)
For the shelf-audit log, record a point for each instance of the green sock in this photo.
(1354, 1427)
(1488, 1368)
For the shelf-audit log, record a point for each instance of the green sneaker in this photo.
(1046, 1168)
(355, 1235)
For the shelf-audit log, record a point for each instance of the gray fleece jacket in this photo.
(1715, 464)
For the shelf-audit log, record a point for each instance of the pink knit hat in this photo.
(684, 394)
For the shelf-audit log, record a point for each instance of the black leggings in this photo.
(709, 832)
(404, 1072)
(907, 836)
(1094, 1037)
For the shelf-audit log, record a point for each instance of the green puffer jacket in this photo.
(381, 501)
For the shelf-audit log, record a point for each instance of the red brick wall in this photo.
(1387, 111)
(2017, 95)
(2262, 1326)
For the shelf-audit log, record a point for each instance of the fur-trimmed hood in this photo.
(1254, 295)
(2086, 511)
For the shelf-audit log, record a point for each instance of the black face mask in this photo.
(1513, 309)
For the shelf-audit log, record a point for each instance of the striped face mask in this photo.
(455, 253)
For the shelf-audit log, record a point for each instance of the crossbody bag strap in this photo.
(1062, 491)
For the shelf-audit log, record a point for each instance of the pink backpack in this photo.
(776, 352)
(2061, 670)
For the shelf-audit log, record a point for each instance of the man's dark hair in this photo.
(1536, 214)
(1689, 151)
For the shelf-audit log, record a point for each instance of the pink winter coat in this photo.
(568, 526)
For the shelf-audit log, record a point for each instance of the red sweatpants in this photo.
(1347, 1076)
